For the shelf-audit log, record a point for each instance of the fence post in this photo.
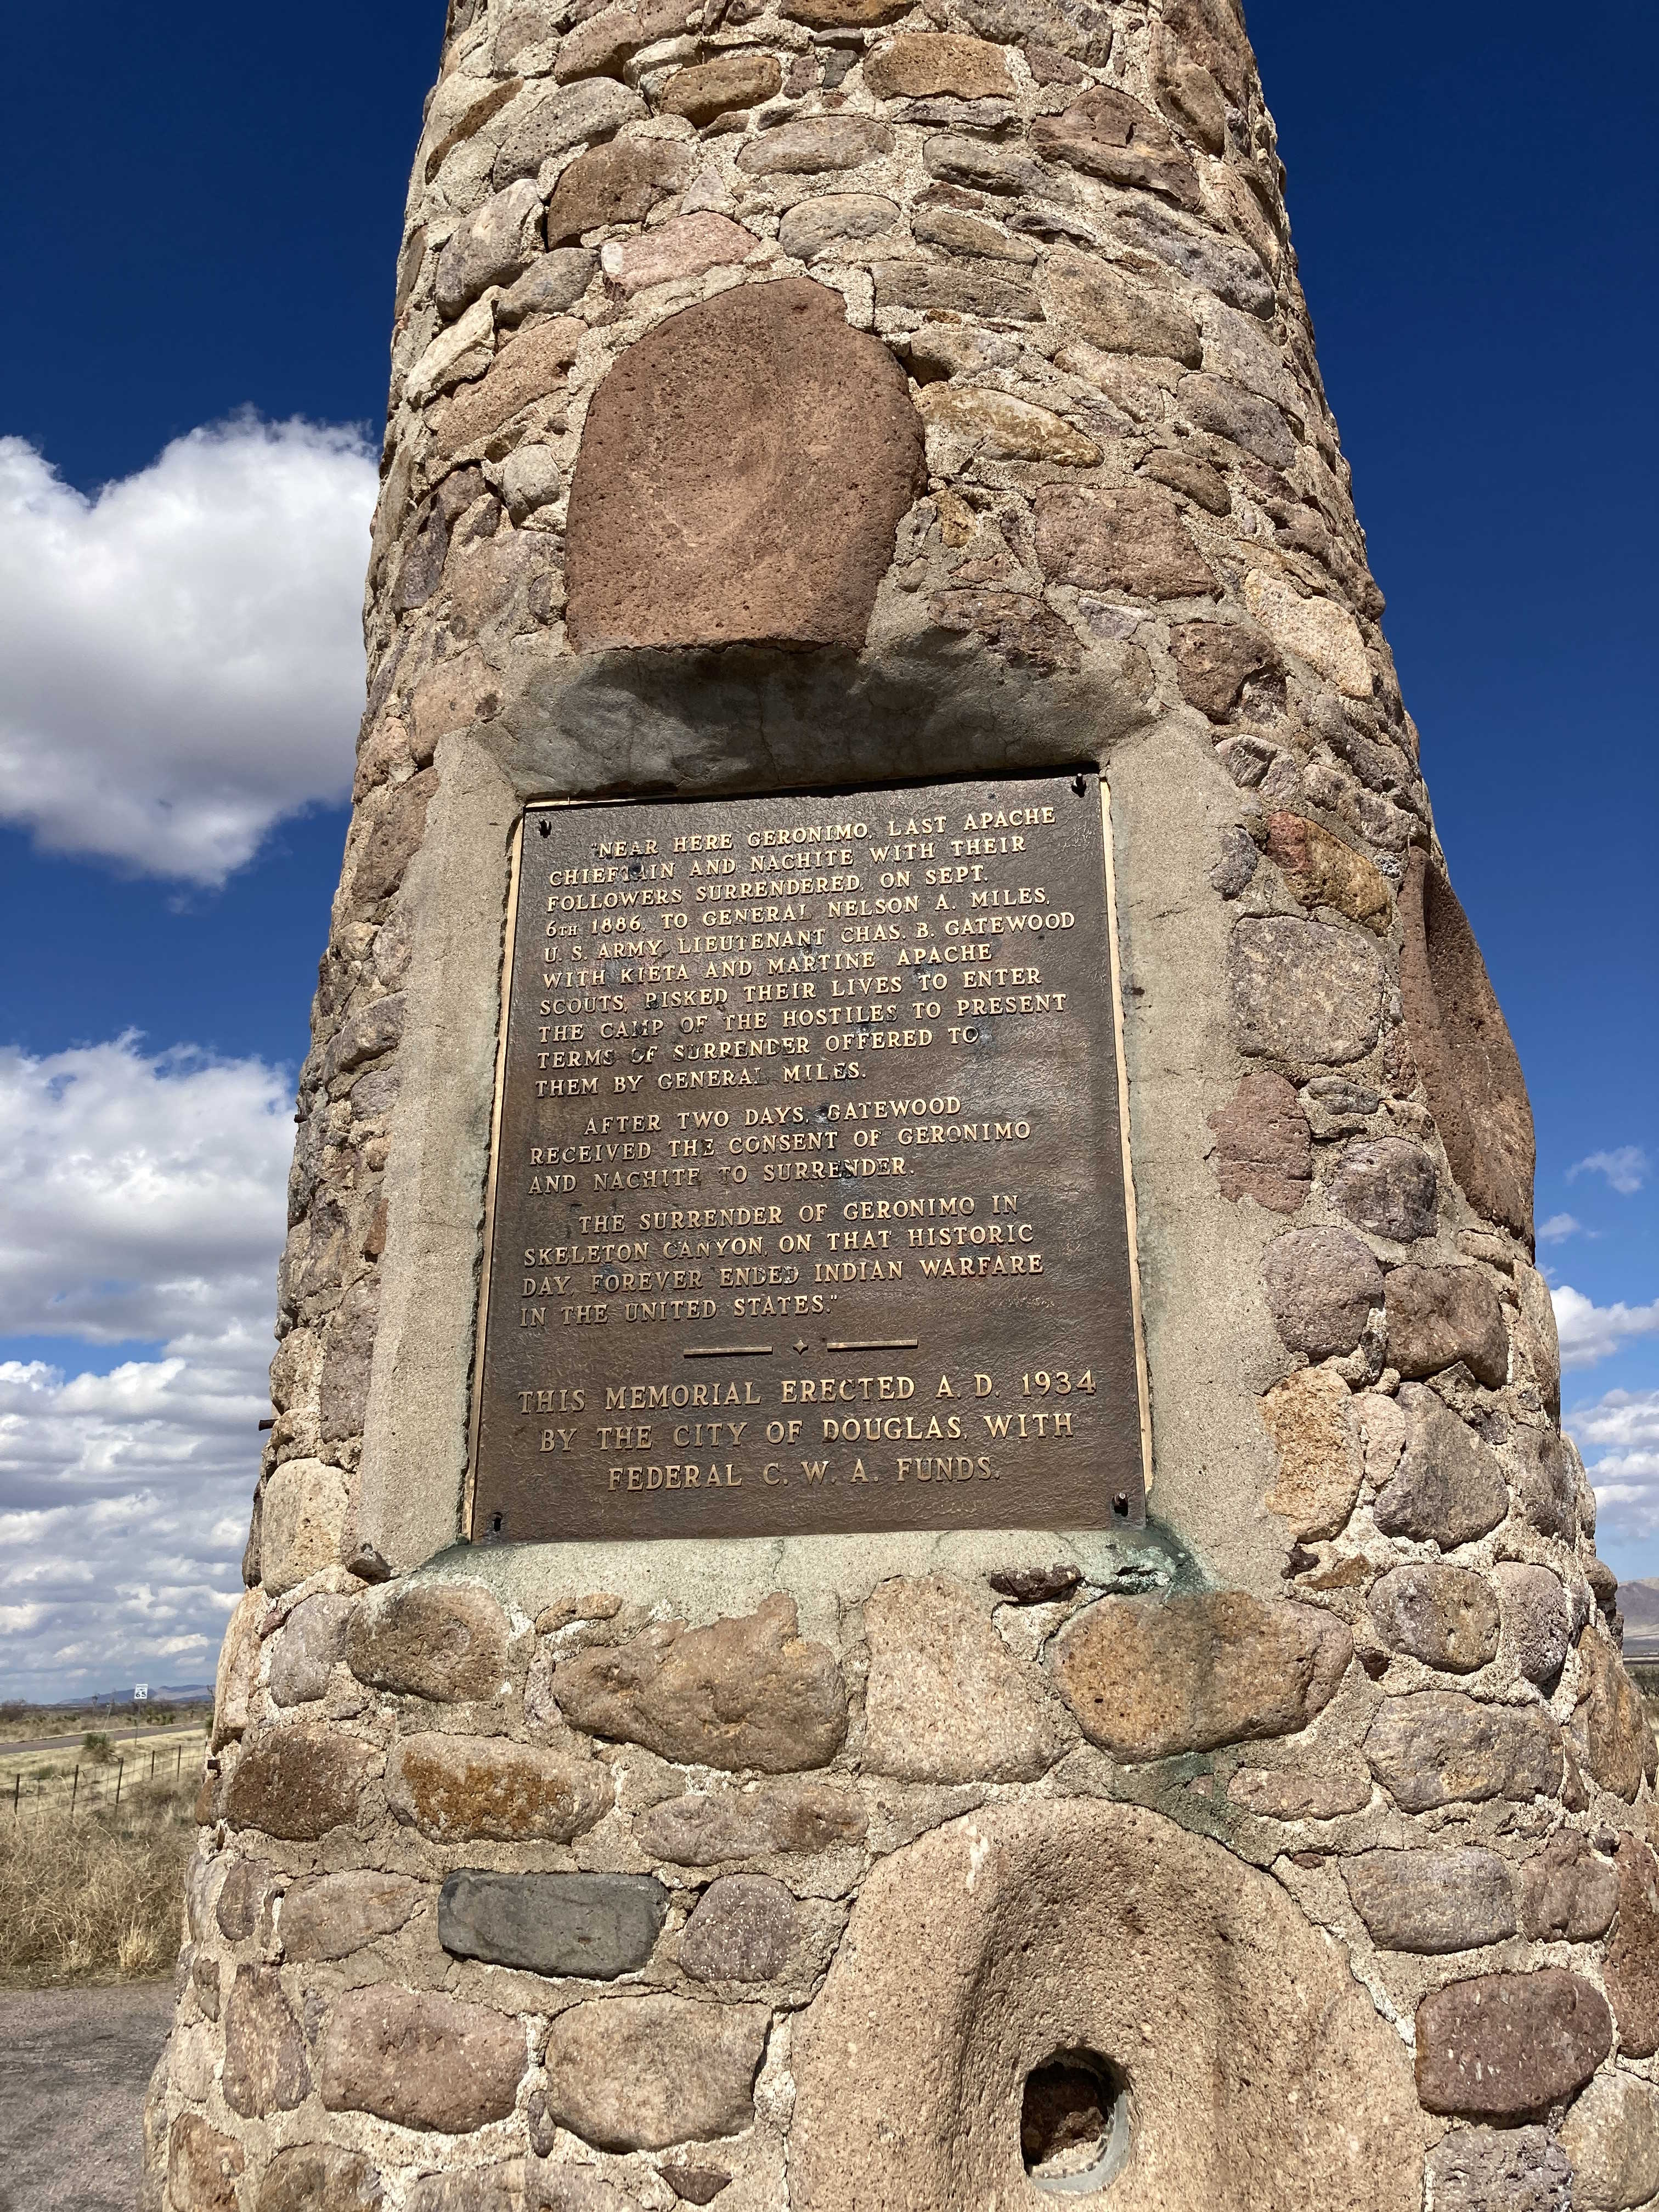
(177, 1763)
(120, 1764)
(16, 1792)
(75, 1789)
(152, 1766)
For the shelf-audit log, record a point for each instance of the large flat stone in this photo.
(421, 2059)
(1449, 1487)
(1618, 1735)
(1316, 630)
(330, 1916)
(595, 1926)
(1464, 1052)
(1310, 1418)
(1322, 1287)
(742, 475)
(1263, 1147)
(446, 1641)
(640, 2073)
(203, 2167)
(745, 1692)
(1567, 1892)
(1261, 2075)
(453, 1787)
(1106, 134)
(1439, 1315)
(265, 2068)
(1113, 311)
(921, 65)
(1444, 1616)
(1432, 1900)
(1508, 2046)
(1131, 539)
(1632, 1971)
(946, 1699)
(711, 1827)
(297, 1783)
(1147, 1678)
(302, 1523)
(1388, 1188)
(1309, 993)
(1440, 1747)
(1536, 1626)
(307, 1650)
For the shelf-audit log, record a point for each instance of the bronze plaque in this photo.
(808, 1208)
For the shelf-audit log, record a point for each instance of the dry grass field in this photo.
(93, 1895)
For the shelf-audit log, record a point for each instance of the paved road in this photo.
(76, 2064)
(150, 1738)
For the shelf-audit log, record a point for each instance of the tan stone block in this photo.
(965, 422)
(1111, 310)
(687, 246)
(1293, 1793)
(239, 1667)
(444, 1640)
(1131, 539)
(1310, 1416)
(203, 2167)
(920, 65)
(1147, 1677)
(1611, 2137)
(640, 2073)
(946, 1699)
(1617, 1731)
(746, 1692)
(303, 1528)
(712, 88)
(1317, 631)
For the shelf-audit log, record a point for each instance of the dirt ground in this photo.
(76, 2066)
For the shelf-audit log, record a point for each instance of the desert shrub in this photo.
(95, 1897)
(95, 1745)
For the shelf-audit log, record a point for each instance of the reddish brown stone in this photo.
(1148, 1678)
(745, 1692)
(1618, 1737)
(1632, 1971)
(1213, 34)
(742, 475)
(1464, 1052)
(321, 2177)
(1320, 870)
(297, 1783)
(1436, 1315)
(1015, 625)
(618, 182)
(846, 15)
(1566, 1894)
(1444, 1616)
(203, 2167)
(265, 2069)
(1504, 2046)
(1263, 1147)
(1214, 662)
(421, 2059)
(1131, 539)
(712, 88)
(642, 2072)
(744, 1823)
(1439, 1748)
(1109, 135)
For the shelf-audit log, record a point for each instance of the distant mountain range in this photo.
(1640, 1603)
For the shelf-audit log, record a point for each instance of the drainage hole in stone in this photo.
(1074, 2122)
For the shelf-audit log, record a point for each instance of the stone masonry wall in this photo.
(860, 390)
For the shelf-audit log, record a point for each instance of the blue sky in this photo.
(204, 236)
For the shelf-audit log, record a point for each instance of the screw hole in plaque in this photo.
(1079, 785)
(546, 826)
(1074, 2124)
(1121, 1505)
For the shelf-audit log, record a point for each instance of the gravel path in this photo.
(76, 2066)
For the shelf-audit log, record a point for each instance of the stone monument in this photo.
(916, 1551)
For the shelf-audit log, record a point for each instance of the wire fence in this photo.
(96, 1786)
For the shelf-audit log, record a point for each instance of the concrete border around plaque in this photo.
(416, 1457)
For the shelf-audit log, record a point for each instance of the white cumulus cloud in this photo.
(1625, 1170)
(1558, 1228)
(180, 657)
(142, 1198)
(1590, 1333)
(1619, 1437)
